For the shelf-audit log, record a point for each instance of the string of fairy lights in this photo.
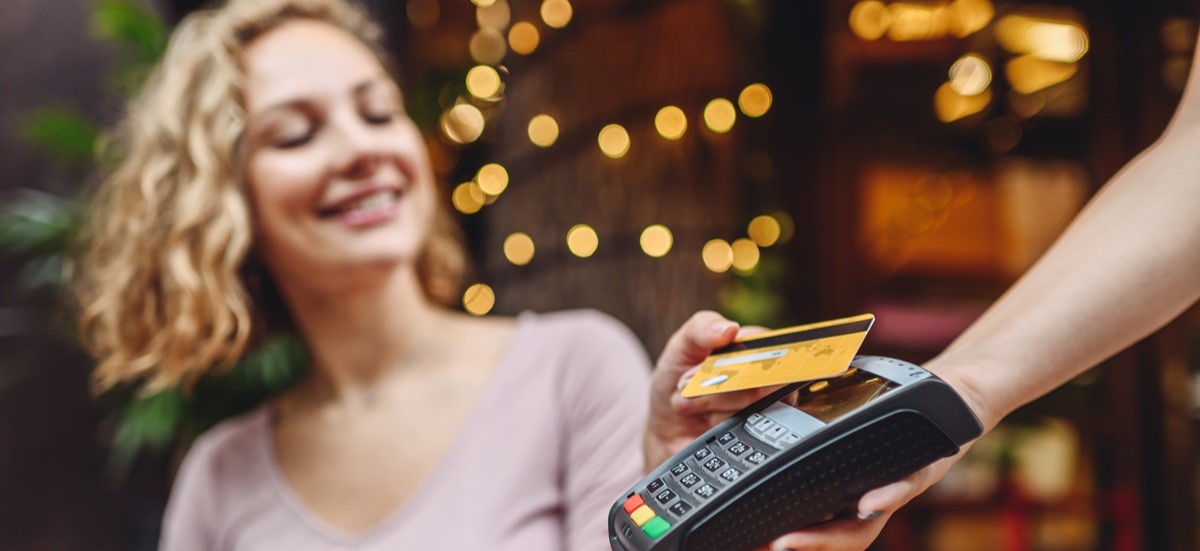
(464, 123)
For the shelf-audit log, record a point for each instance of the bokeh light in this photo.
(670, 122)
(543, 130)
(755, 100)
(492, 179)
(483, 82)
(970, 16)
(479, 299)
(717, 255)
(614, 141)
(869, 20)
(462, 124)
(495, 16)
(523, 37)
(745, 255)
(1028, 74)
(483, 3)
(950, 106)
(970, 75)
(556, 13)
(487, 46)
(518, 248)
(1061, 41)
(719, 115)
(787, 226)
(656, 240)
(764, 230)
(467, 198)
(582, 240)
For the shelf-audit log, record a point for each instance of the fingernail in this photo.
(869, 516)
(720, 327)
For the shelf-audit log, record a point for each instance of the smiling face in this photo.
(338, 174)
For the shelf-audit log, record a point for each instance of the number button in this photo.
(702, 454)
(738, 448)
(654, 485)
(679, 469)
(725, 438)
(680, 508)
(665, 496)
(706, 491)
(756, 458)
(713, 464)
(689, 480)
(731, 474)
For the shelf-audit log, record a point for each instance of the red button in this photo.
(633, 503)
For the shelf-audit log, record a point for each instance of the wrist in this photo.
(969, 378)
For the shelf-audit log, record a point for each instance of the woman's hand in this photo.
(675, 421)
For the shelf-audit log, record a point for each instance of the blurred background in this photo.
(781, 161)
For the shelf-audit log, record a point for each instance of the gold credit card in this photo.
(801, 353)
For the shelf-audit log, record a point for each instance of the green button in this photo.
(656, 527)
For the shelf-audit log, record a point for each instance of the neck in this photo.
(358, 336)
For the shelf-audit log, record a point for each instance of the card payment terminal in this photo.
(793, 458)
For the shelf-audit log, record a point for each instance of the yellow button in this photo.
(642, 515)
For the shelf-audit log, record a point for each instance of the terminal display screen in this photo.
(829, 399)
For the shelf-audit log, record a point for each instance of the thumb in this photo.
(696, 339)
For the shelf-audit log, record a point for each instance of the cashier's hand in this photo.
(675, 421)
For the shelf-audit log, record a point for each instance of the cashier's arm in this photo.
(1126, 266)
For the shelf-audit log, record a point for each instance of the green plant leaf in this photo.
(139, 32)
(149, 422)
(37, 222)
(66, 135)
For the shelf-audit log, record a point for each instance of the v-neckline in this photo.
(313, 521)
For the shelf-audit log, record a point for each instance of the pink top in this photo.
(554, 440)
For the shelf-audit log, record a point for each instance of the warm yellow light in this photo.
(917, 22)
(719, 115)
(670, 122)
(869, 20)
(614, 141)
(1028, 74)
(523, 38)
(970, 75)
(657, 240)
(543, 130)
(492, 179)
(518, 248)
(1061, 41)
(950, 106)
(970, 16)
(462, 124)
(483, 3)
(818, 386)
(717, 255)
(495, 16)
(764, 230)
(755, 100)
(582, 240)
(483, 82)
(467, 198)
(745, 255)
(479, 299)
(487, 46)
(556, 13)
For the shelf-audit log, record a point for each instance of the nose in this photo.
(359, 150)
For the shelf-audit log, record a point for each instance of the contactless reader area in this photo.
(793, 458)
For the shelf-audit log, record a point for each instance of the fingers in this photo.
(699, 335)
(842, 534)
(893, 496)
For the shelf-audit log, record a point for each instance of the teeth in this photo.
(374, 201)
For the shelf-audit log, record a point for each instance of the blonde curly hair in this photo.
(164, 279)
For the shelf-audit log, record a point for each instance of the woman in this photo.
(272, 181)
